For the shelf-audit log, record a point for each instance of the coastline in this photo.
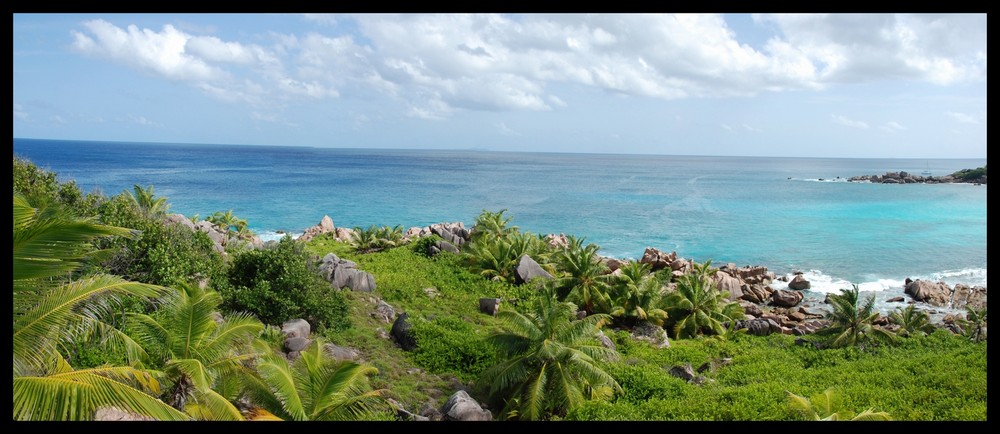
(889, 294)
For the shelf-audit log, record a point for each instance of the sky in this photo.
(788, 85)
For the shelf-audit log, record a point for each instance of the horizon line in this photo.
(483, 149)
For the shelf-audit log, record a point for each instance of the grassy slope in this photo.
(941, 377)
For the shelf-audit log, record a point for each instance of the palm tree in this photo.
(826, 406)
(549, 361)
(49, 309)
(974, 324)
(911, 321)
(148, 204)
(227, 221)
(198, 353)
(492, 225)
(316, 387)
(697, 307)
(637, 295)
(497, 258)
(854, 324)
(585, 277)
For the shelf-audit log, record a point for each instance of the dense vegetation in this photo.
(114, 307)
(971, 175)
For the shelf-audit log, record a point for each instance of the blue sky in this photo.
(799, 85)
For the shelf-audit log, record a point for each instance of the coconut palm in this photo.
(698, 307)
(228, 221)
(50, 309)
(854, 323)
(492, 225)
(974, 324)
(316, 387)
(911, 322)
(549, 361)
(497, 258)
(376, 238)
(147, 202)
(197, 352)
(637, 295)
(826, 406)
(585, 279)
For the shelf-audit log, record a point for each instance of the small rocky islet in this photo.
(967, 176)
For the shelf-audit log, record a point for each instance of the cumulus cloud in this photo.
(843, 120)
(935, 48)
(437, 64)
(158, 52)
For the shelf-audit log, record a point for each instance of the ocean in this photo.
(788, 214)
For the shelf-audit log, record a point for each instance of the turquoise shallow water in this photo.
(789, 214)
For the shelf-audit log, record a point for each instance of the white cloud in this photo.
(751, 128)
(505, 130)
(963, 118)
(935, 48)
(842, 120)
(213, 49)
(892, 127)
(437, 64)
(159, 52)
(726, 127)
(141, 120)
(58, 119)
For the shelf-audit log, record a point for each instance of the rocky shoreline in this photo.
(768, 310)
(910, 178)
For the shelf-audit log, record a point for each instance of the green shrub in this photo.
(281, 283)
(164, 254)
(450, 345)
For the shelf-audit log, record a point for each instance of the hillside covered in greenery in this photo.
(123, 311)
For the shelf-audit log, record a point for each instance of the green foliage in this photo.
(974, 324)
(147, 202)
(281, 283)
(584, 279)
(42, 188)
(376, 238)
(198, 351)
(826, 405)
(911, 321)
(451, 345)
(547, 362)
(162, 254)
(971, 175)
(492, 225)
(854, 323)
(423, 244)
(697, 307)
(635, 296)
(229, 222)
(49, 312)
(497, 258)
(316, 387)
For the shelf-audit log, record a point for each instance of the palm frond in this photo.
(36, 328)
(77, 395)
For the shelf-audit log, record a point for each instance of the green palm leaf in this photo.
(56, 309)
(77, 395)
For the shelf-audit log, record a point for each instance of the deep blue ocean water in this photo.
(789, 214)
